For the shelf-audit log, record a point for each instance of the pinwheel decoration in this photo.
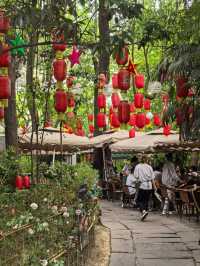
(17, 42)
(74, 57)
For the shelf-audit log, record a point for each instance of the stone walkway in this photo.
(158, 241)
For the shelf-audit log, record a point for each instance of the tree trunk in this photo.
(10, 112)
(104, 52)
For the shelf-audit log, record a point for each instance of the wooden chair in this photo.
(187, 203)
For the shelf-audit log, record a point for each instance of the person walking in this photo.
(144, 175)
(169, 179)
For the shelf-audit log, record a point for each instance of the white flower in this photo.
(63, 209)
(54, 209)
(78, 212)
(34, 206)
(66, 214)
(44, 262)
(45, 199)
(45, 224)
(31, 231)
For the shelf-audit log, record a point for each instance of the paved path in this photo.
(158, 241)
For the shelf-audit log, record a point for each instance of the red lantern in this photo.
(60, 98)
(140, 120)
(166, 130)
(5, 57)
(101, 120)
(124, 112)
(69, 81)
(26, 182)
(114, 120)
(90, 117)
(181, 87)
(80, 132)
(132, 120)
(1, 113)
(59, 46)
(115, 99)
(122, 56)
(139, 81)
(91, 128)
(115, 81)
(59, 69)
(101, 101)
(157, 120)
(147, 121)
(147, 104)
(5, 90)
(70, 100)
(132, 107)
(132, 133)
(138, 100)
(124, 79)
(18, 182)
(4, 22)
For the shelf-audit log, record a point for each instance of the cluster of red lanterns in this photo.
(91, 125)
(101, 102)
(5, 59)
(22, 182)
(59, 72)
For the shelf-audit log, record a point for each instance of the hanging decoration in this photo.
(124, 112)
(167, 130)
(74, 57)
(139, 81)
(140, 120)
(122, 55)
(147, 104)
(114, 120)
(138, 100)
(101, 102)
(132, 133)
(156, 120)
(17, 42)
(5, 60)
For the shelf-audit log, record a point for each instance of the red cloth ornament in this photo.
(18, 182)
(101, 101)
(132, 121)
(74, 57)
(156, 120)
(140, 120)
(167, 130)
(124, 112)
(139, 81)
(115, 99)
(132, 107)
(122, 56)
(101, 120)
(59, 69)
(5, 89)
(124, 79)
(138, 100)
(5, 57)
(59, 46)
(115, 81)
(26, 182)
(132, 67)
(91, 128)
(90, 117)
(132, 133)
(60, 99)
(114, 120)
(147, 104)
(147, 121)
(4, 22)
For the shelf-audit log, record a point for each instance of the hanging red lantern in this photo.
(132, 133)
(139, 81)
(5, 57)
(59, 69)
(132, 107)
(1, 113)
(124, 79)
(101, 101)
(181, 87)
(124, 112)
(4, 22)
(5, 90)
(80, 132)
(138, 100)
(140, 120)
(147, 104)
(147, 121)
(26, 182)
(167, 130)
(122, 56)
(115, 81)
(70, 100)
(101, 120)
(59, 46)
(115, 99)
(91, 128)
(114, 120)
(90, 117)
(60, 98)
(132, 120)
(156, 120)
(18, 182)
